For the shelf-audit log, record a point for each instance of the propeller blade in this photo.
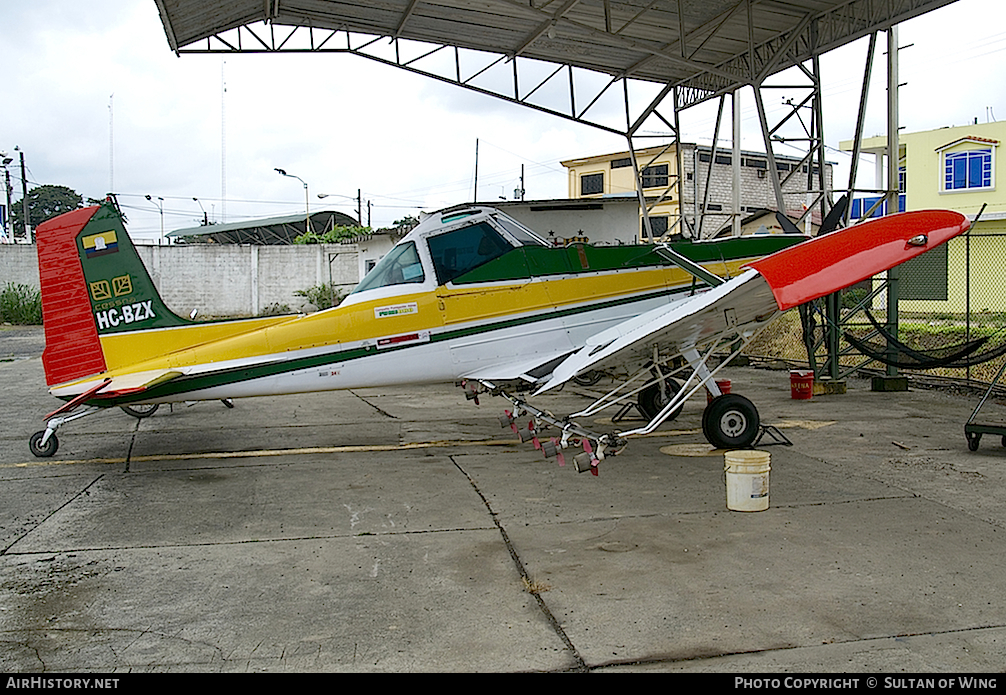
(834, 216)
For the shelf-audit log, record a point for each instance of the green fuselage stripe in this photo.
(240, 374)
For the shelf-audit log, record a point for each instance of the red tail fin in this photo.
(72, 348)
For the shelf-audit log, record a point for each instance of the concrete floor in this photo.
(381, 530)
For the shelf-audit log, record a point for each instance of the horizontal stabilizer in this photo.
(136, 382)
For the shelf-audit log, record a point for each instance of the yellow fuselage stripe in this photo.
(209, 343)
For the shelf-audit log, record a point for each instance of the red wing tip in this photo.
(837, 260)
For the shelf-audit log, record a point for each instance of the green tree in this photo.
(332, 236)
(44, 203)
(408, 221)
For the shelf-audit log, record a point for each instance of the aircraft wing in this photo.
(530, 370)
(769, 286)
(737, 307)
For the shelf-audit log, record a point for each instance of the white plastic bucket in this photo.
(747, 480)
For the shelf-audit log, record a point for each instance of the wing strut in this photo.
(688, 265)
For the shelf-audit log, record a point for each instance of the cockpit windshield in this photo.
(454, 252)
(401, 266)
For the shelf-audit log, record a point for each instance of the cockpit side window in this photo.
(461, 250)
(519, 232)
(401, 266)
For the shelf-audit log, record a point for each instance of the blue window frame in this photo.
(860, 206)
(969, 169)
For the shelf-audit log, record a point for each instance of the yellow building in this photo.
(612, 175)
(957, 168)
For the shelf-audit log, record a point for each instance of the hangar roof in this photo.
(270, 231)
(705, 46)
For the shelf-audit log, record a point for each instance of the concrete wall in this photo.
(18, 264)
(217, 279)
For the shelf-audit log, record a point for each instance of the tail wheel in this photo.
(43, 450)
(140, 410)
(730, 422)
(654, 397)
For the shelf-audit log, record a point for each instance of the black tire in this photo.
(140, 410)
(974, 440)
(588, 379)
(653, 398)
(35, 444)
(730, 422)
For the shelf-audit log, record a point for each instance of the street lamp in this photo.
(206, 220)
(359, 204)
(307, 212)
(160, 206)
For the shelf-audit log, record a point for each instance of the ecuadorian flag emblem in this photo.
(100, 244)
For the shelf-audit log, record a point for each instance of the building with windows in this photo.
(705, 215)
(956, 168)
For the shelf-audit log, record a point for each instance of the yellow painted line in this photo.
(59, 462)
(691, 450)
(354, 448)
(804, 424)
(258, 453)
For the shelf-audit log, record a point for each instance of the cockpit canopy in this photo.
(454, 244)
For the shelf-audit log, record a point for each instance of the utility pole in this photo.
(8, 227)
(24, 197)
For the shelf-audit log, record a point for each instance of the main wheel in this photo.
(730, 422)
(588, 379)
(653, 398)
(140, 410)
(40, 450)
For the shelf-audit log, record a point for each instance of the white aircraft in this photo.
(469, 296)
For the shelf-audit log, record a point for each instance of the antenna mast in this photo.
(223, 144)
(111, 142)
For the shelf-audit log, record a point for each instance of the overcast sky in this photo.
(97, 101)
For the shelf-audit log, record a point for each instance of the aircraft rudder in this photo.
(72, 348)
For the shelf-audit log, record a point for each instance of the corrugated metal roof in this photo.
(270, 230)
(707, 45)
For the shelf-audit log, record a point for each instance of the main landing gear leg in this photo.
(729, 421)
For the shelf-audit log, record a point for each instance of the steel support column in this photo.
(893, 275)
